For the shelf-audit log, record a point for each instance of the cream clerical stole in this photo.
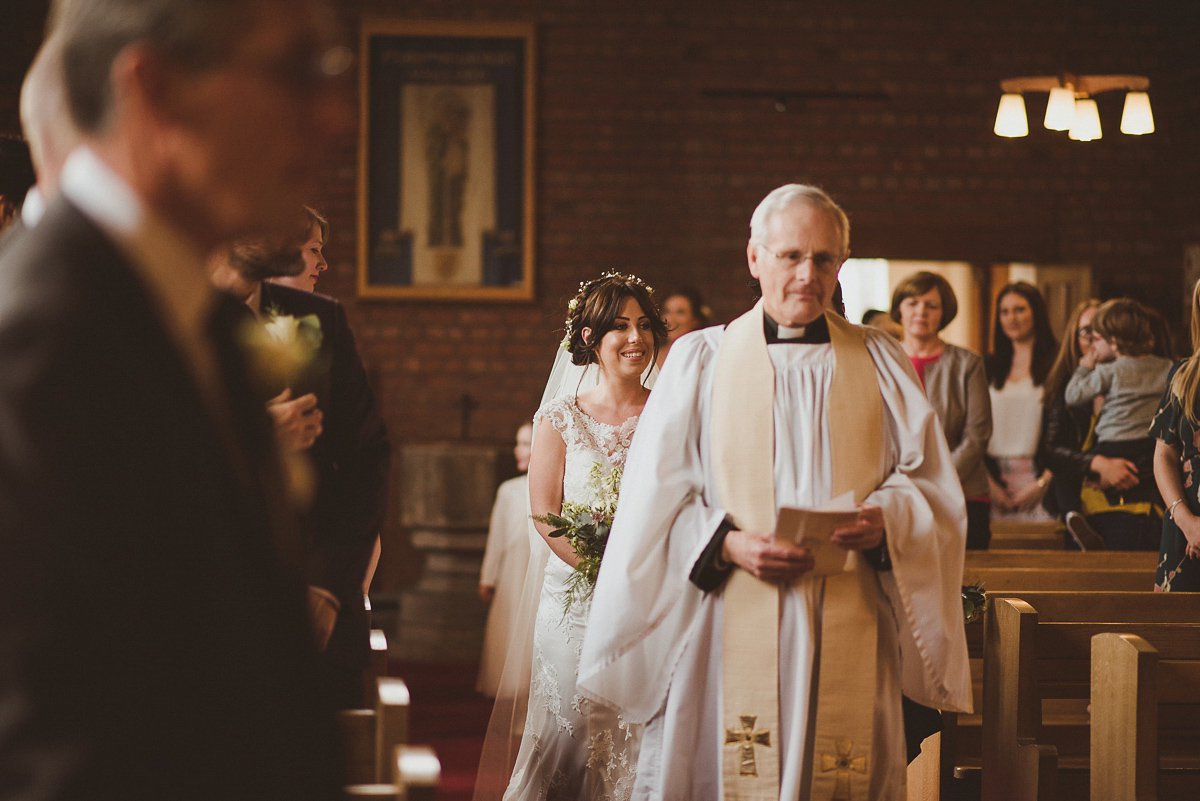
(743, 447)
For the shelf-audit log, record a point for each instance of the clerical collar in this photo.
(814, 333)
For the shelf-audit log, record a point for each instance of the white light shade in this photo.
(1086, 125)
(1060, 109)
(1010, 117)
(1136, 119)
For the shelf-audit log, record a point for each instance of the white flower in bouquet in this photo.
(281, 347)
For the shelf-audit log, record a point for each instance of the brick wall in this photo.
(636, 170)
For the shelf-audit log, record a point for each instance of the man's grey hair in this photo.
(194, 33)
(45, 118)
(788, 194)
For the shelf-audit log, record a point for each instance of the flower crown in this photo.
(584, 287)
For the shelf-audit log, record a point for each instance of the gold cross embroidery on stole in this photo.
(746, 738)
(843, 764)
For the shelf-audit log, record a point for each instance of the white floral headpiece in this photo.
(584, 286)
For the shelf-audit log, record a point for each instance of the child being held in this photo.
(1123, 369)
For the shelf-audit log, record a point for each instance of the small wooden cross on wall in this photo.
(466, 405)
(843, 764)
(746, 738)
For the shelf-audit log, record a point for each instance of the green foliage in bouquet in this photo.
(586, 528)
(974, 601)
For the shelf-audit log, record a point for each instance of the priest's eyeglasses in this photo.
(824, 261)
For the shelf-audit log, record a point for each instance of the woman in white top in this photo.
(1024, 348)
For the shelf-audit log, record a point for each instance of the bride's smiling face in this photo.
(627, 349)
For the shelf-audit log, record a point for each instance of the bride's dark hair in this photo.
(597, 306)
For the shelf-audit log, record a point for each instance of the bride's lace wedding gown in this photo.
(571, 748)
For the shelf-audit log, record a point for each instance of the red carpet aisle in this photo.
(449, 715)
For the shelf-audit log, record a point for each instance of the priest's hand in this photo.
(864, 534)
(757, 553)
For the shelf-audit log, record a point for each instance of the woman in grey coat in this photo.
(956, 385)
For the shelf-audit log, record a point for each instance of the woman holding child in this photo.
(1122, 368)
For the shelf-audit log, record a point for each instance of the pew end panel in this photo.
(417, 772)
(1145, 735)
(391, 723)
(358, 729)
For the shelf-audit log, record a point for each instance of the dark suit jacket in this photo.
(353, 459)
(152, 645)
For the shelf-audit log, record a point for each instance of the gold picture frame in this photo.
(446, 160)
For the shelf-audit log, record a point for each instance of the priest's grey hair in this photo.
(783, 197)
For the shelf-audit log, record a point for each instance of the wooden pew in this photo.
(358, 726)
(1145, 734)
(1071, 560)
(391, 723)
(378, 665)
(358, 738)
(1040, 536)
(1020, 579)
(1037, 654)
(416, 773)
(371, 735)
(961, 742)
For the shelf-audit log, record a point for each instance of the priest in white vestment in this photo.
(655, 643)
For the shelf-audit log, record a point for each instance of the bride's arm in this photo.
(547, 463)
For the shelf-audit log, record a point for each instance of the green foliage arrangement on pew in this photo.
(974, 601)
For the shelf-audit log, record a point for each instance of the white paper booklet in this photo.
(810, 528)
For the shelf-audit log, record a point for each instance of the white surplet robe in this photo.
(505, 561)
(651, 630)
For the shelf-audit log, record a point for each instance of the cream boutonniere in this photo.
(281, 347)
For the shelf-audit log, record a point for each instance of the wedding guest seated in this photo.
(329, 411)
(1122, 368)
(956, 385)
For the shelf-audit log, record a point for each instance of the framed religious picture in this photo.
(445, 177)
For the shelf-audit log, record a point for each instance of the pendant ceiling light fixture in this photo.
(1071, 107)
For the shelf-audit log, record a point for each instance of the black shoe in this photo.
(1084, 535)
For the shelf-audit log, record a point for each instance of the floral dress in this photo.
(1176, 572)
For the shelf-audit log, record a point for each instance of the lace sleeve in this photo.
(558, 413)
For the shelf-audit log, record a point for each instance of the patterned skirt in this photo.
(1176, 572)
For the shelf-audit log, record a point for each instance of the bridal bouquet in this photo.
(586, 527)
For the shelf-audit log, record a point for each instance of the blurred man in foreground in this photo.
(153, 638)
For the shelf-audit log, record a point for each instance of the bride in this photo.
(569, 747)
